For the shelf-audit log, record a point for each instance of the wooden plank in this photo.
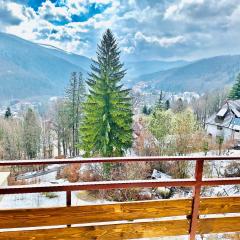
(219, 225)
(94, 213)
(115, 160)
(219, 205)
(104, 232)
(124, 184)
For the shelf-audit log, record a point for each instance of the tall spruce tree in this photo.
(107, 124)
(235, 91)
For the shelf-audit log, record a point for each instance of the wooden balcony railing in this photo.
(130, 220)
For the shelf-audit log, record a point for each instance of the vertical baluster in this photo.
(196, 198)
(68, 200)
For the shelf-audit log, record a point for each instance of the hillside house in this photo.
(226, 122)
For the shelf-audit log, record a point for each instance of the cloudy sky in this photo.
(145, 29)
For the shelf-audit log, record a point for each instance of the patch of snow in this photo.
(35, 200)
(160, 175)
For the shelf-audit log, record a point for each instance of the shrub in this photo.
(128, 171)
(50, 195)
(70, 172)
(232, 169)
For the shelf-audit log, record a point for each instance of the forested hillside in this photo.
(200, 76)
(28, 69)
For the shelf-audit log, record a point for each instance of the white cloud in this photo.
(128, 50)
(144, 28)
(171, 12)
(161, 41)
(199, 10)
(50, 12)
(234, 19)
(7, 16)
(75, 7)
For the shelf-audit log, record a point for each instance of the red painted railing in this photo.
(196, 182)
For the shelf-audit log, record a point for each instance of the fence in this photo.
(147, 218)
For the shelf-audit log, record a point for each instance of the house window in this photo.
(219, 128)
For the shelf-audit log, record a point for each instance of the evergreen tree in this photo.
(75, 96)
(235, 91)
(167, 104)
(62, 127)
(8, 113)
(81, 97)
(32, 134)
(71, 100)
(160, 102)
(107, 124)
(146, 110)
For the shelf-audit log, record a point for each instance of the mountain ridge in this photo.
(29, 69)
(199, 76)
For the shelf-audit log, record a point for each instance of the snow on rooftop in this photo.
(222, 112)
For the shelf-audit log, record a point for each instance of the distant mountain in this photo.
(135, 69)
(28, 69)
(200, 76)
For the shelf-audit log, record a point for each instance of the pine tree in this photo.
(32, 134)
(71, 103)
(235, 91)
(75, 96)
(146, 110)
(62, 127)
(81, 96)
(160, 102)
(8, 113)
(167, 104)
(107, 124)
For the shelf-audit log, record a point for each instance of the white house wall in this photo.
(225, 132)
(212, 130)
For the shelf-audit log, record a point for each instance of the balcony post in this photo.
(196, 198)
(68, 200)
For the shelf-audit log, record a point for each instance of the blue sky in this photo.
(145, 29)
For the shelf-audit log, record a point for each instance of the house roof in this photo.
(222, 112)
(228, 116)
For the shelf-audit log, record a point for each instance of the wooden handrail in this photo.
(196, 183)
(113, 160)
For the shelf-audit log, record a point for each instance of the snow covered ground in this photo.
(48, 169)
(34, 200)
